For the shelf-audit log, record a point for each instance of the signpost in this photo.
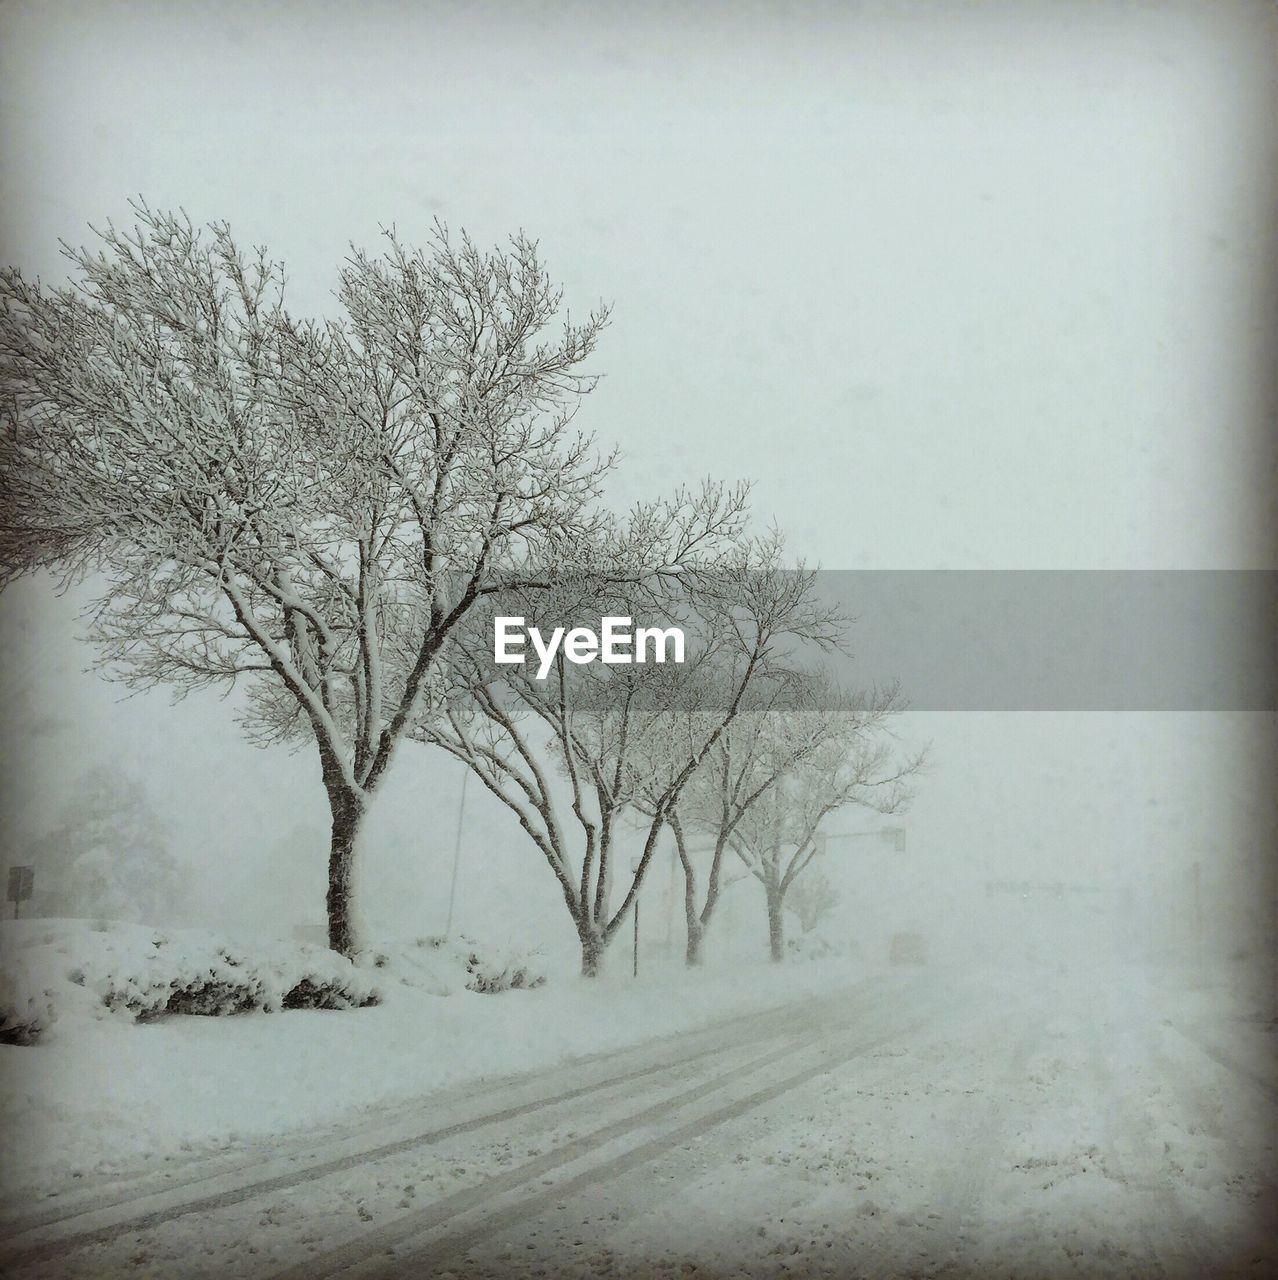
(21, 883)
(895, 836)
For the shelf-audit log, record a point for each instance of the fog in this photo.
(954, 286)
(1014, 321)
(1155, 823)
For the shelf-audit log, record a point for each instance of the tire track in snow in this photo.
(1134, 1131)
(139, 1185)
(61, 1233)
(423, 1238)
(1237, 1162)
(1201, 1105)
(1266, 1086)
(959, 1192)
(830, 1234)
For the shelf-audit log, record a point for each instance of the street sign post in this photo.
(21, 884)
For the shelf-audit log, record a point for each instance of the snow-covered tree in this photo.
(311, 506)
(854, 762)
(108, 855)
(812, 898)
(622, 741)
(795, 728)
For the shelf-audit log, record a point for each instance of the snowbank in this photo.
(102, 1091)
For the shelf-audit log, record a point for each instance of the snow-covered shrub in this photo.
(490, 972)
(176, 979)
(305, 976)
(488, 977)
(112, 968)
(214, 997)
(26, 1009)
(442, 965)
(810, 946)
(344, 992)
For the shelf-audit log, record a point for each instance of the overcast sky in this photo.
(957, 286)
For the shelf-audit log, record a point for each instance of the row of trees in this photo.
(330, 513)
(739, 744)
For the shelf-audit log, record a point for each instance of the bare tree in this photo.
(622, 741)
(812, 898)
(777, 837)
(779, 725)
(313, 506)
(108, 855)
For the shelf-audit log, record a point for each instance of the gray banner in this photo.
(1062, 640)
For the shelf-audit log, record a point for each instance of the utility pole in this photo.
(1198, 917)
(634, 867)
(452, 887)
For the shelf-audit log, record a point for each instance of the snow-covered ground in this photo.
(100, 1093)
(907, 1123)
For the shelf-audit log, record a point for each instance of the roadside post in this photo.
(634, 868)
(21, 884)
(1197, 872)
(457, 843)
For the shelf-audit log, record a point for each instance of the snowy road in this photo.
(907, 1126)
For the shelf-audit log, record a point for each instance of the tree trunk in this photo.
(696, 935)
(695, 923)
(592, 949)
(343, 933)
(776, 931)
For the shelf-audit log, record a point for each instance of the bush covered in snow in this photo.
(339, 991)
(441, 965)
(26, 1008)
(816, 946)
(108, 968)
(112, 968)
(506, 974)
